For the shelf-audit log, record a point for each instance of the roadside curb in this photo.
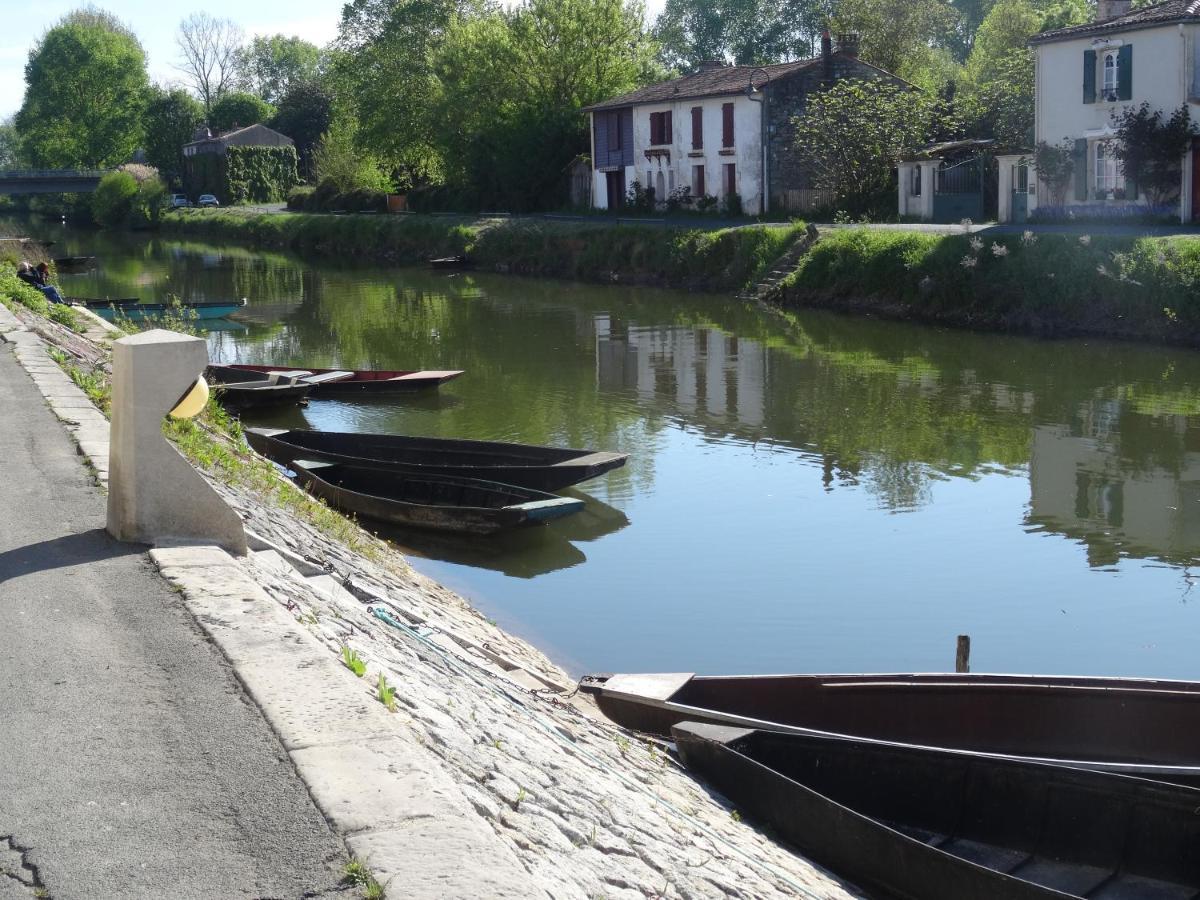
(384, 794)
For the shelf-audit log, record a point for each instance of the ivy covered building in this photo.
(253, 164)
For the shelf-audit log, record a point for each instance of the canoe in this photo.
(343, 382)
(1128, 726)
(930, 825)
(450, 262)
(136, 311)
(526, 465)
(243, 394)
(440, 502)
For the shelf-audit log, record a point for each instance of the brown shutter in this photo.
(727, 125)
(667, 136)
(697, 128)
(653, 128)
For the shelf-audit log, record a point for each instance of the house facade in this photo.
(721, 131)
(1118, 61)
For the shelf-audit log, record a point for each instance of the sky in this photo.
(155, 23)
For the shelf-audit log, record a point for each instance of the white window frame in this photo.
(1110, 91)
(1107, 176)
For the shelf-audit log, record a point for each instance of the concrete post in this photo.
(929, 170)
(1004, 205)
(155, 496)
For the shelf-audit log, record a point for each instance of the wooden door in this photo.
(616, 189)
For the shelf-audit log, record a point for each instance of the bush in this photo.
(113, 200)
(298, 197)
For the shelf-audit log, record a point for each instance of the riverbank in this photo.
(723, 260)
(482, 756)
(1050, 285)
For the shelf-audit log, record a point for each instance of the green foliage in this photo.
(898, 37)
(124, 201)
(238, 109)
(1055, 164)
(340, 167)
(1150, 148)
(854, 132)
(85, 93)
(748, 32)
(170, 121)
(357, 874)
(259, 174)
(305, 113)
(1046, 284)
(272, 65)
(352, 661)
(386, 693)
(10, 145)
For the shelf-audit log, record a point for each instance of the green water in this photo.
(808, 494)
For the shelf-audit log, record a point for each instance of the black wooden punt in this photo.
(930, 825)
(1129, 726)
(351, 382)
(440, 502)
(527, 465)
(257, 392)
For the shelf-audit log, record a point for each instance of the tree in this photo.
(748, 32)
(85, 92)
(854, 133)
(513, 83)
(305, 113)
(212, 56)
(238, 109)
(171, 119)
(1151, 148)
(1055, 163)
(10, 145)
(270, 65)
(896, 37)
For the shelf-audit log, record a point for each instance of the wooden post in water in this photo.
(962, 658)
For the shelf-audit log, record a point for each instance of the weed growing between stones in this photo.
(353, 661)
(356, 873)
(386, 693)
(94, 383)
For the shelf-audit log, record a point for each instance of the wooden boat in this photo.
(440, 502)
(931, 825)
(343, 382)
(240, 394)
(1128, 726)
(74, 263)
(450, 262)
(526, 465)
(136, 311)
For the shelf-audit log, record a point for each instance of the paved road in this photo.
(131, 762)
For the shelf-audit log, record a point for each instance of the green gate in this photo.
(958, 192)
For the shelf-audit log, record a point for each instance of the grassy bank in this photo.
(694, 259)
(1144, 288)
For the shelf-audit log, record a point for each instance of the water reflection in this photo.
(807, 492)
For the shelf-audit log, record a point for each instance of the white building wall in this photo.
(746, 153)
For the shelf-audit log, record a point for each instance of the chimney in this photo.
(848, 44)
(1111, 9)
(827, 52)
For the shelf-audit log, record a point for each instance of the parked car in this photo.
(207, 200)
(179, 201)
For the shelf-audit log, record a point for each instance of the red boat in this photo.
(340, 382)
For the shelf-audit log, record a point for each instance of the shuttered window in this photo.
(660, 128)
(697, 181)
(730, 179)
(727, 125)
(614, 131)
(1125, 73)
(1089, 76)
(697, 128)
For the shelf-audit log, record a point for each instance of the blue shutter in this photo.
(1079, 168)
(600, 126)
(1089, 76)
(626, 137)
(1125, 73)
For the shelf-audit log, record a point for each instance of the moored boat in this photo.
(450, 262)
(342, 382)
(440, 502)
(240, 394)
(931, 825)
(1129, 726)
(136, 311)
(526, 465)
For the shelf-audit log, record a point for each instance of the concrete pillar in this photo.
(155, 496)
(1004, 207)
(929, 170)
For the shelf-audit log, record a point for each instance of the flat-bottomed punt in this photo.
(234, 393)
(136, 311)
(931, 825)
(1130, 726)
(440, 502)
(350, 382)
(540, 468)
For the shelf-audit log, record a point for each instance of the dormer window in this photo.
(1111, 82)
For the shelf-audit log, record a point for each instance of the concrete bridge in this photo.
(50, 181)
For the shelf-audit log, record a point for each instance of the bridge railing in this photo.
(53, 173)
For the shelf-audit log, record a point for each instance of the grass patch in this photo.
(352, 661)
(1040, 283)
(93, 382)
(386, 693)
(357, 874)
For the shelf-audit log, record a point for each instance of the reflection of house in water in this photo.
(699, 372)
(1087, 487)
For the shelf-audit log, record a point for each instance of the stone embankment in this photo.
(486, 774)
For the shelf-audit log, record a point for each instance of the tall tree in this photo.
(271, 64)
(896, 36)
(85, 92)
(747, 32)
(171, 119)
(211, 50)
(305, 113)
(514, 81)
(10, 145)
(237, 109)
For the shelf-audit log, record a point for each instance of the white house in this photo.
(722, 130)
(1121, 59)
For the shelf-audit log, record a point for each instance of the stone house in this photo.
(1118, 61)
(720, 131)
(200, 175)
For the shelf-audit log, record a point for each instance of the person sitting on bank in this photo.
(42, 283)
(26, 274)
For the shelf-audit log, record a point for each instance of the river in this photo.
(807, 493)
